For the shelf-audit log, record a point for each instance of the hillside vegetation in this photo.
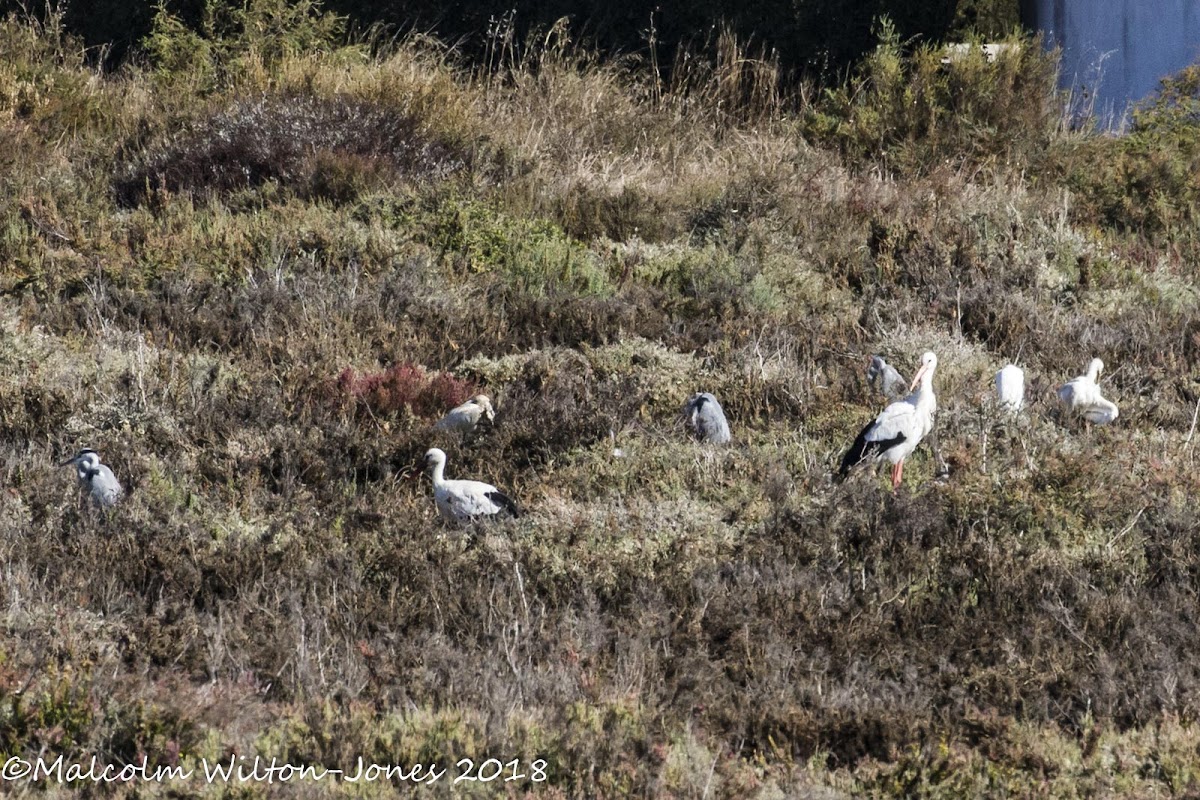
(824, 36)
(254, 265)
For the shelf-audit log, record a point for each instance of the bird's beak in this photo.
(69, 461)
(916, 381)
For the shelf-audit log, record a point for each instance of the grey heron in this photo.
(707, 418)
(96, 478)
(884, 379)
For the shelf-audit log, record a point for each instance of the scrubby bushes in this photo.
(402, 387)
(189, 267)
(1145, 181)
(231, 42)
(921, 109)
(319, 149)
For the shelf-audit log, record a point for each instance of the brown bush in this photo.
(317, 148)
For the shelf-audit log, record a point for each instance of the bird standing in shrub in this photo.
(707, 418)
(1082, 396)
(884, 379)
(464, 418)
(1010, 388)
(462, 501)
(96, 478)
(898, 430)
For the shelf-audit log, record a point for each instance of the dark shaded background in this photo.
(813, 36)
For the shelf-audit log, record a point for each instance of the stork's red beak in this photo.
(916, 381)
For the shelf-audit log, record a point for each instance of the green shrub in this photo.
(910, 112)
(533, 256)
(668, 619)
(1144, 181)
(237, 39)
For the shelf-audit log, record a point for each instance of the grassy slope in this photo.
(206, 275)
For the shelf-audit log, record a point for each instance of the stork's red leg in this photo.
(897, 474)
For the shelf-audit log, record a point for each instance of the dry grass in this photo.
(188, 263)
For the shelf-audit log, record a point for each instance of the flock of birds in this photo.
(892, 436)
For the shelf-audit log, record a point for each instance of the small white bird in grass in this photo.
(1082, 396)
(96, 478)
(462, 501)
(617, 452)
(898, 430)
(707, 418)
(1010, 388)
(465, 417)
(884, 379)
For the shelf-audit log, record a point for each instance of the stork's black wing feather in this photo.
(863, 449)
(505, 502)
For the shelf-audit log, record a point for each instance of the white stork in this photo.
(1010, 388)
(1082, 396)
(898, 430)
(462, 501)
(96, 478)
(707, 418)
(464, 418)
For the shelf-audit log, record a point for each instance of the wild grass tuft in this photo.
(252, 269)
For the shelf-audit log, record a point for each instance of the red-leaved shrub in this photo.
(402, 386)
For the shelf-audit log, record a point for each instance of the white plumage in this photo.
(884, 379)
(707, 418)
(1082, 396)
(1010, 388)
(465, 417)
(898, 430)
(617, 452)
(96, 478)
(460, 501)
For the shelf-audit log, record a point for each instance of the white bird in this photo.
(96, 478)
(465, 417)
(884, 379)
(1082, 396)
(898, 430)
(617, 452)
(1010, 388)
(707, 418)
(461, 501)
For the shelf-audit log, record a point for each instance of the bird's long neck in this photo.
(1093, 371)
(923, 397)
(439, 473)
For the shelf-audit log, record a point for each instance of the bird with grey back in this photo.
(462, 501)
(466, 417)
(707, 418)
(96, 478)
(884, 379)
